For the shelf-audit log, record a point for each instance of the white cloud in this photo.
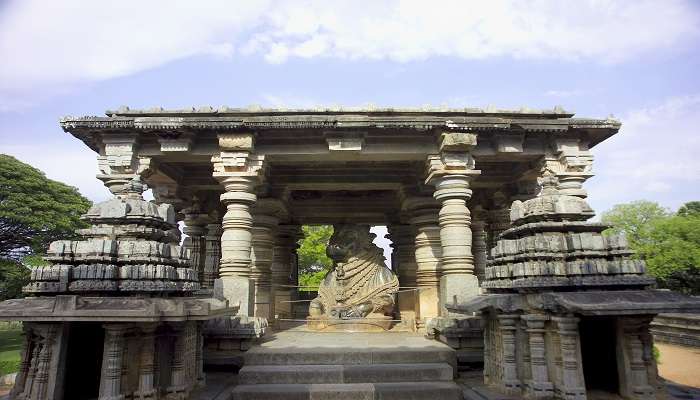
(45, 45)
(654, 156)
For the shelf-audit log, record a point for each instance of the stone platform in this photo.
(303, 365)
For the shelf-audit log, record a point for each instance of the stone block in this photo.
(239, 291)
(458, 288)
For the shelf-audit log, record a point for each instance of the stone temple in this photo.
(494, 261)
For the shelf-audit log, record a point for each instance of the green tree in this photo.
(313, 261)
(669, 244)
(633, 219)
(34, 211)
(672, 252)
(688, 209)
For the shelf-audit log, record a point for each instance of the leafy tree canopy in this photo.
(689, 209)
(633, 219)
(670, 244)
(313, 261)
(34, 210)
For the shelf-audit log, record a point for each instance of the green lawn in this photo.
(10, 346)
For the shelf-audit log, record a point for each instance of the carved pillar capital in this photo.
(572, 162)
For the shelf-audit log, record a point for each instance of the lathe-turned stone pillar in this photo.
(451, 172)
(265, 220)
(283, 260)
(212, 254)
(238, 170)
(195, 242)
(428, 253)
(403, 238)
(479, 246)
(498, 218)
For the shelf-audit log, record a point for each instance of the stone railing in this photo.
(680, 329)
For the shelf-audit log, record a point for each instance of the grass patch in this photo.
(657, 354)
(10, 347)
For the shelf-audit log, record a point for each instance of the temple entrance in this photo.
(598, 352)
(84, 361)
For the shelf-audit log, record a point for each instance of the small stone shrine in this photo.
(568, 309)
(114, 317)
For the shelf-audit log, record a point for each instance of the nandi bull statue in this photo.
(359, 293)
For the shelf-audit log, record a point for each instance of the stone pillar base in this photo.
(539, 390)
(457, 289)
(239, 290)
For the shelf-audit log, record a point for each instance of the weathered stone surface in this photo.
(360, 290)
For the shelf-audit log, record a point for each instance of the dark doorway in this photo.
(84, 362)
(598, 351)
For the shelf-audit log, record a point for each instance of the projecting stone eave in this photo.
(486, 121)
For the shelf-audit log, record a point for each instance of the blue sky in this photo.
(637, 60)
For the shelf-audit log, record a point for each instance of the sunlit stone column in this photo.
(428, 252)
(457, 279)
(112, 359)
(238, 170)
(282, 269)
(451, 173)
(634, 379)
(403, 237)
(236, 242)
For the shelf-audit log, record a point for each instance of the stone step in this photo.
(324, 373)
(350, 391)
(339, 356)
